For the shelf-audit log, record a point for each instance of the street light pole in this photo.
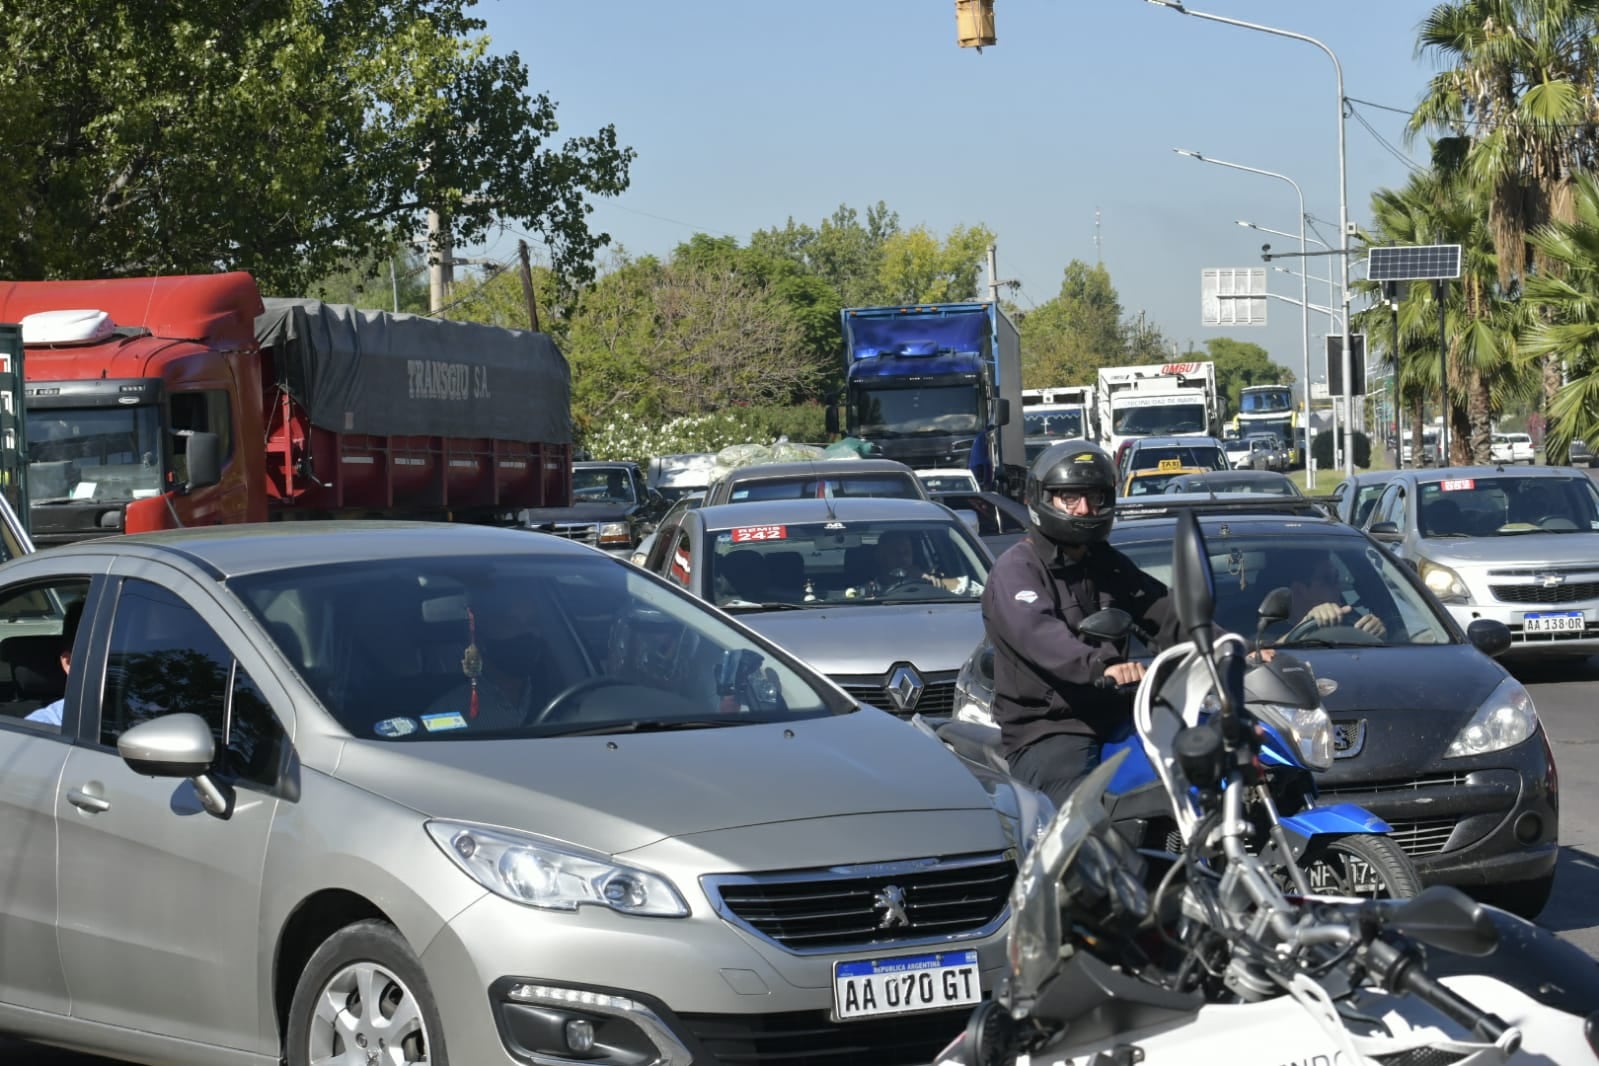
(1343, 180)
(1304, 292)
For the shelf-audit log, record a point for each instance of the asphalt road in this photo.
(1565, 699)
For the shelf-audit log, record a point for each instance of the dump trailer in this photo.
(159, 403)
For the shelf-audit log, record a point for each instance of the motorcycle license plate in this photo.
(871, 988)
(1553, 622)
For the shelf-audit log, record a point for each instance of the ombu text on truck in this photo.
(157, 403)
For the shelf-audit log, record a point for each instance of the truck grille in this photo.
(938, 697)
(812, 1037)
(1572, 593)
(582, 532)
(854, 908)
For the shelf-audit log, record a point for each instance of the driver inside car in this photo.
(503, 676)
(1318, 598)
(896, 564)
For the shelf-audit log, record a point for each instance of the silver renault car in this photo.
(1519, 547)
(404, 794)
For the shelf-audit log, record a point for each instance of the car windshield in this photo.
(1507, 506)
(909, 412)
(1159, 419)
(834, 563)
(602, 484)
(97, 453)
(1170, 456)
(1349, 572)
(948, 482)
(1053, 425)
(520, 645)
(1151, 484)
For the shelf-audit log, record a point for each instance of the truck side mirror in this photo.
(832, 417)
(204, 452)
(1002, 415)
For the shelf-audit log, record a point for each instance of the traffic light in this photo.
(974, 23)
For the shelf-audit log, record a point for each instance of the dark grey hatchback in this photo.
(1431, 734)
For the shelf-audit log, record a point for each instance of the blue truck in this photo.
(937, 385)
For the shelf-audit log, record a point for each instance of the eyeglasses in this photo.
(1070, 498)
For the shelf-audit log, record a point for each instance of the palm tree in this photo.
(1570, 332)
(1518, 86)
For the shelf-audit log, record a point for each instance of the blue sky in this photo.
(746, 112)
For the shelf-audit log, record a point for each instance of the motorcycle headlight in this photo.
(1444, 582)
(1309, 729)
(1505, 720)
(526, 869)
(614, 533)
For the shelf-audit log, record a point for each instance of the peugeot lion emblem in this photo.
(1349, 738)
(891, 901)
(905, 687)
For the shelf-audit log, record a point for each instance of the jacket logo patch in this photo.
(1027, 596)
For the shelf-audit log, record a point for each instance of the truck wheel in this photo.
(363, 997)
(1372, 867)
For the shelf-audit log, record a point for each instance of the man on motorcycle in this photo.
(1050, 696)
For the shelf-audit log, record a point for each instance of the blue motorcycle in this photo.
(1332, 850)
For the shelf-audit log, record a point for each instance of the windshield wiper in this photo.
(1316, 642)
(650, 725)
(750, 605)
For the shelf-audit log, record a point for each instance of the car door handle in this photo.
(88, 801)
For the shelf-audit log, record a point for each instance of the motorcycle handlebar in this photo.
(1110, 684)
(1402, 972)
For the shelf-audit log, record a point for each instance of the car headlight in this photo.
(1308, 728)
(1023, 812)
(527, 869)
(1444, 582)
(615, 533)
(974, 687)
(1505, 720)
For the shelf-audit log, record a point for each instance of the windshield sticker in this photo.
(1170, 464)
(1459, 484)
(435, 723)
(1026, 596)
(753, 534)
(395, 727)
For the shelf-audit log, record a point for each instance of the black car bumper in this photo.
(1494, 820)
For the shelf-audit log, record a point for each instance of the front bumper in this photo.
(1492, 820)
(657, 990)
(1575, 643)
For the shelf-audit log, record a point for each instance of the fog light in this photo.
(580, 1035)
(1529, 827)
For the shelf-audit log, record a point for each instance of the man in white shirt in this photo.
(50, 713)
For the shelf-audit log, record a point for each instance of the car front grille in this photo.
(1576, 592)
(1414, 784)
(801, 1037)
(582, 532)
(857, 908)
(937, 698)
(1423, 838)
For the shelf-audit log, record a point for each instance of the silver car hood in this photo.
(1543, 550)
(615, 793)
(868, 639)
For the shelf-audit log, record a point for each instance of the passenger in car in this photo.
(51, 713)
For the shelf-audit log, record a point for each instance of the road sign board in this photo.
(1415, 262)
(1357, 364)
(1232, 296)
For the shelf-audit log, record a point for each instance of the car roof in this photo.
(810, 510)
(1236, 519)
(1447, 473)
(816, 467)
(236, 550)
(1221, 478)
(1172, 442)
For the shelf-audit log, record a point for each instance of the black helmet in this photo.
(1076, 466)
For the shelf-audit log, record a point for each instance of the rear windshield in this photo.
(1172, 456)
(808, 486)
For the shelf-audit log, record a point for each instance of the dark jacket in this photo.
(1044, 673)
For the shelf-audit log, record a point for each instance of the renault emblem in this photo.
(891, 901)
(905, 687)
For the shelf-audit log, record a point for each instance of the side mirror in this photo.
(972, 519)
(1002, 413)
(1111, 624)
(204, 453)
(179, 746)
(1488, 636)
(1193, 586)
(1445, 918)
(1277, 605)
(830, 414)
(1386, 531)
(985, 663)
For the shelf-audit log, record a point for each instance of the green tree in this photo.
(1570, 333)
(842, 251)
(916, 267)
(1240, 364)
(288, 138)
(1517, 87)
(371, 285)
(1067, 338)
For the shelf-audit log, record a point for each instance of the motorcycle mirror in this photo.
(1275, 607)
(1445, 918)
(1111, 624)
(1193, 586)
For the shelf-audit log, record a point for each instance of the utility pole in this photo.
(527, 285)
(994, 281)
(441, 272)
(1099, 250)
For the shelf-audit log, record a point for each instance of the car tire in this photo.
(372, 953)
(1524, 898)
(1358, 864)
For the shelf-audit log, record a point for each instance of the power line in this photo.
(1462, 120)
(1395, 152)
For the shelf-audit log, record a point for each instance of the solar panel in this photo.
(1416, 262)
